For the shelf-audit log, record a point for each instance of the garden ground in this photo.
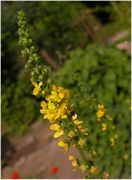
(36, 153)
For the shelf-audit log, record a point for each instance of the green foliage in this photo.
(53, 30)
(49, 25)
(19, 109)
(115, 16)
(94, 74)
(102, 75)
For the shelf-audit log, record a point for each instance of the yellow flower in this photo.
(82, 142)
(71, 134)
(100, 114)
(101, 111)
(52, 97)
(104, 126)
(44, 107)
(63, 144)
(94, 153)
(85, 131)
(62, 111)
(61, 96)
(43, 92)
(125, 157)
(51, 106)
(54, 87)
(112, 140)
(58, 133)
(109, 117)
(49, 111)
(93, 170)
(74, 117)
(55, 96)
(67, 94)
(80, 127)
(58, 93)
(50, 115)
(100, 106)
(83, 167)
(37, 88)
(74, 161)
(43, 104)
(54, 127)
(77, 122)
(42, 111)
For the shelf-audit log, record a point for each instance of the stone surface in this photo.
(37, 152)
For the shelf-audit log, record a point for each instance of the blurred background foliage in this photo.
(102, 75)
(75, 40)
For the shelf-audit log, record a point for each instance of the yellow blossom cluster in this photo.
(105, 120)
(93, 170)
(83, 168)
(56, 108)
(55, 105)
(104, 126)
(63, 144)
(79, 124)
(112, 140)
(37, 88)
(101, 112)
(74, 161)
(75, 164)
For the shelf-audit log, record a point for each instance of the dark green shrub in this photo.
(19, 109)
(102, 74)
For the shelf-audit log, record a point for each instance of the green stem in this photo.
(82, 154)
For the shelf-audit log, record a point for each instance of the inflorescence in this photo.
(56, 108)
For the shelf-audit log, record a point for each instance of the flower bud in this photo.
(30, 41)
(49, 81)
(45, 70)
(23, 53)
(32, 49)
(40, 78)
(26, 66)
(25, 41)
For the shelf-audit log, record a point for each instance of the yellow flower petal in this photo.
(83, 167)
(74, 117)
(71, 134)
(58, 133)
(40, 84)
(77, 122)
(74, 161)
(63, 144)
(82, 142)
(104, 126)
(34, 84)
(43, 104)
(35, 91)
(54, 127)
(93, 170)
